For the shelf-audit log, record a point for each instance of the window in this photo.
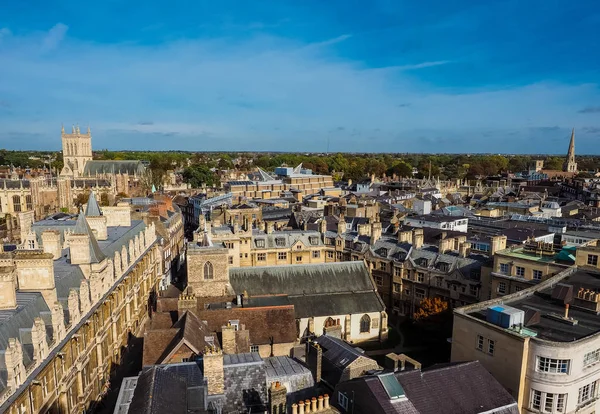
(591, 358)
(397, 288)
(397, 271)
(298, 259)
(520, 271)
(518, 288)
(365, 324)
(560, 402)
(420, 277)
(253, 348)
(586, 393)
(378, 280)
(592, 259)
(420, 293)
(491, 346)
(230, 260)
(555, 366)
(260, 242)
(407, 292)
(282, 256)
(342, 400)
(261, 257)
(502, 287)
(480, 342)
(330, 255)
(316, 254)
(549, 403)
(208, 271)
(280, 242)
(382, 266)
(537, 275)
(17, 203)
(473, 290)
(504, 268)
(536, 399)
(313, 240)
(29, 202)
(439, 281)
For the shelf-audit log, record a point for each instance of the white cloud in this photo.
(54, 37)
(263, 93)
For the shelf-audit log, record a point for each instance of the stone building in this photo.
(68, 307)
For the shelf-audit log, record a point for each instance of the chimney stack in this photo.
(463, 249)
(417, 238)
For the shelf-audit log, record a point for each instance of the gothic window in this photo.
(29, 202)
(365, 324)
(208, 271)
(17, 203)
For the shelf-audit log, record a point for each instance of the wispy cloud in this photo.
(590, 110)
(263, 93)
(54, 36)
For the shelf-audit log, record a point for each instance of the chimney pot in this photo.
(294, 408)
(301, 407)
(307, 406)
(320, 406)
(313, 404)
(326, 401)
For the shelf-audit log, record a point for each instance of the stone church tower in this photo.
(570, 165)
(77, 150)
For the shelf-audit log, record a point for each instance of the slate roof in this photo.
(337, 355)
(99, 167)
(286, 239)
(314, 289)
(460, 388)
(159, 391)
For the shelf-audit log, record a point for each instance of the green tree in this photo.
(199, 174)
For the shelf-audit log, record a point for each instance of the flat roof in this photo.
(550, 326)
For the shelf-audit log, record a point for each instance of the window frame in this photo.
(553, 365)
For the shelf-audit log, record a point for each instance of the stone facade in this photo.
(68, 370)
(208, 271)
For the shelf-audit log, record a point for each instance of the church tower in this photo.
(77, 150)
(570, 165)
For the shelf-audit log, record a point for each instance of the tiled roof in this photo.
(159, 391)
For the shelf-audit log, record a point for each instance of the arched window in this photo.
(29, 202)
(208, 271)
(365, 324)
(329, 322)
(17, 203)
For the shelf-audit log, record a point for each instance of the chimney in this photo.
(269, 227)
(405, 236)
(294, 408)
(213, 371)
(417, 238)
(8, 288)
(323, 226)
(463, 249)
(375, 232)
(326, 401)
(277, 398)
(566, 311)
(320, 405)
(341, 225)
(51, 243)
(301, 407)
(364, 230)
(313, 404)
(497, 243)
(444, 245)
(35, 272)
(314, 360)
(185, 303)
(307, 406)
(228, 338)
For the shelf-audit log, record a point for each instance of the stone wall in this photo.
(197, 280)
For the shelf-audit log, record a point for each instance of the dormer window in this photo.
(443, 266)
(423, 262)
(235, 323)
(383, 252)
(280, 242)
(313, 240)
(260, 242)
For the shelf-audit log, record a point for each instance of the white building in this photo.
(438, 222)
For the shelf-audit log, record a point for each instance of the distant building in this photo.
(438, 222)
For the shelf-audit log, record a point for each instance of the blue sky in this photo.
(380, 76)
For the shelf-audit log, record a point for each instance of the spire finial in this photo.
(62, 128)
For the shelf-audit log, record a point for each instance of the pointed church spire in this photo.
(89, 131)
(62, 128)
(570, 165)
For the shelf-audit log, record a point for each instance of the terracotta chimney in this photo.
(301, 407)
(313, 404)
(320, 406)
(307, 406)
(326, 401)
